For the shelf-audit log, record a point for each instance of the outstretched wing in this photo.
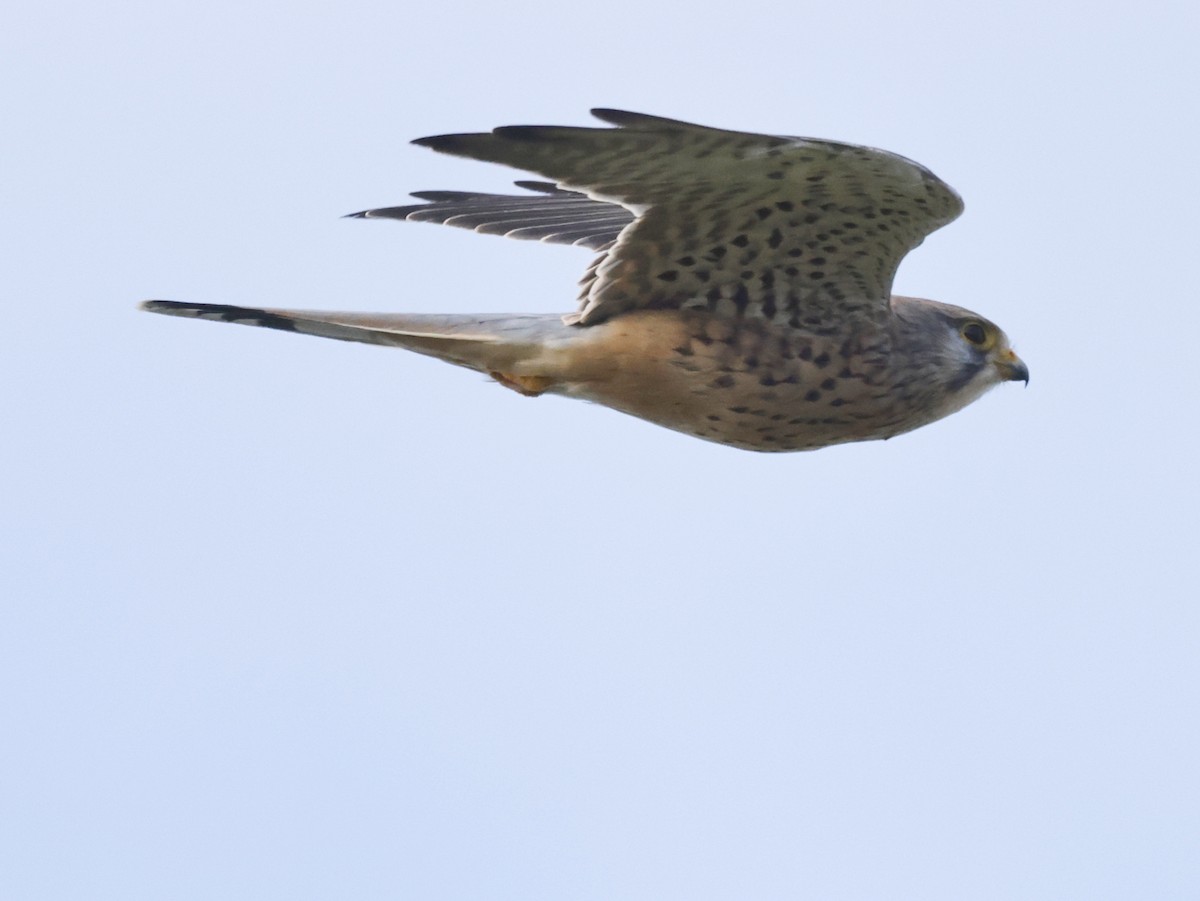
(798, 230)
(552, 214)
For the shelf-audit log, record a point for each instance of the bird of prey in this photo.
(741, 290)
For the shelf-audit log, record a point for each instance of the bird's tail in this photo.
(497, 344)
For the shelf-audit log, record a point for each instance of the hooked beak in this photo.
(1011, 368)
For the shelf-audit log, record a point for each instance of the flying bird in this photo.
(740, 292)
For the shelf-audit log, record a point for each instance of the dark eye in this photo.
(974, 333)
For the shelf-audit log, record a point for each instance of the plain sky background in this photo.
(298, 619)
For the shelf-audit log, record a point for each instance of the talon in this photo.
(526, 385)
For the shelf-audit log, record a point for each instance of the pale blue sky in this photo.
(291, 618)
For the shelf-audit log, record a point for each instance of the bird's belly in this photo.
(754, 388)
(747, 416)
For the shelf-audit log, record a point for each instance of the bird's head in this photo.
(966, 353)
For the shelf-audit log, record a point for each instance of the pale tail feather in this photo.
(484, 342)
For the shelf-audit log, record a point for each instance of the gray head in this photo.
(960, 352)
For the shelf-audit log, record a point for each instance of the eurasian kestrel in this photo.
(742, 291)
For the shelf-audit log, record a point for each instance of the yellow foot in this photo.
(528, 385)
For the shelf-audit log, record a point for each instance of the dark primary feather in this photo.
(551, 214)
(648, 159)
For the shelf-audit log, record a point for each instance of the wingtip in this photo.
(610, 115)
(443, 143)
(541, 187)
(629, 119)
